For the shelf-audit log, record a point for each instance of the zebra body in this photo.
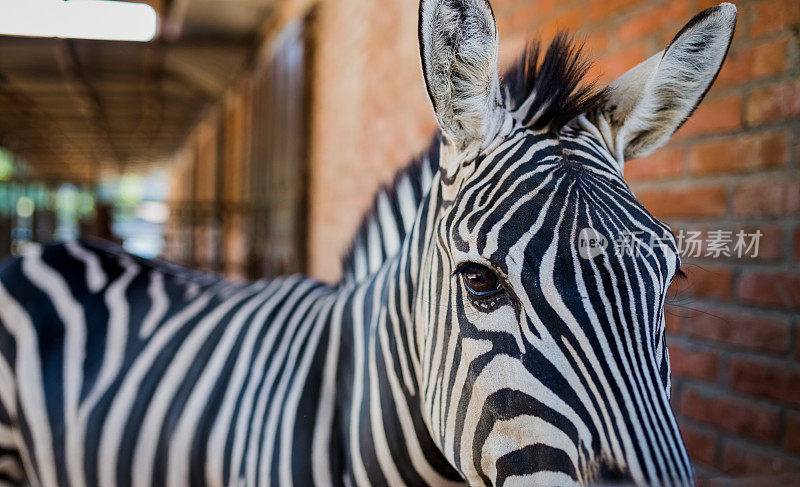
(160, 368)
(469, 340)
(202, 381)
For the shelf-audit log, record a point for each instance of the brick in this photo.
(773, 103)
(766, 59)
(791, 437)
(527, 15)
(600, 9)
(694, 201)
(501, 6)
(654, 19)
(774, 15)
(664, 164)
(703, 282)
(797, 349)
(740, 329)
(703, 476)
(770, 243)
(701, 445)
(570, 21)
(704, 4)
(740, 154)
(673, 320)
(512, 7)
(698, 364)
(745, 244)
(596, 43)
(797, 244)
(767, 197)
(742, 460)
(511, 49)
(612, 66)
(744, 418)
(717, 115)
(770, 381)
(769, 289)
(692, 243)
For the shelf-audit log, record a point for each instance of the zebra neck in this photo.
(382, 432)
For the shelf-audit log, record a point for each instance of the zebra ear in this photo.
(459, 48)
(646, 105)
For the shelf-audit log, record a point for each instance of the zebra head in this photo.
(539, 313)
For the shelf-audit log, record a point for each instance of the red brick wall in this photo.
(370, 115)
(733, 325)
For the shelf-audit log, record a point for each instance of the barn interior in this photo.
(95, 135)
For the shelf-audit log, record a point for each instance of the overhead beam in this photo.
(84, 92)
(286, 12)
(174, 20)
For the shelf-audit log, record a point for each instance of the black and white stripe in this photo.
(120, 371)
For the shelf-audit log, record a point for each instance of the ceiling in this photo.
(76, 108)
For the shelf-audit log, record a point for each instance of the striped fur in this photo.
(120, 371)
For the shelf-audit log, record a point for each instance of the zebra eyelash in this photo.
(485, 302)
(680, 274)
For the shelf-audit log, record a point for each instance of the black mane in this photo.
(559, 95)
(556, 84)
(413, 172)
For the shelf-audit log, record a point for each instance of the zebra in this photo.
(473, 338)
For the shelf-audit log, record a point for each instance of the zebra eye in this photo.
(479, 280)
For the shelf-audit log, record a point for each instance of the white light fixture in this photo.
(78, 19)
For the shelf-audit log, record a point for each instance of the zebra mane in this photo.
(540, 95)
(394, 208)
(550, 93)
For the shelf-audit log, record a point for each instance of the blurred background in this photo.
(248, 136)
